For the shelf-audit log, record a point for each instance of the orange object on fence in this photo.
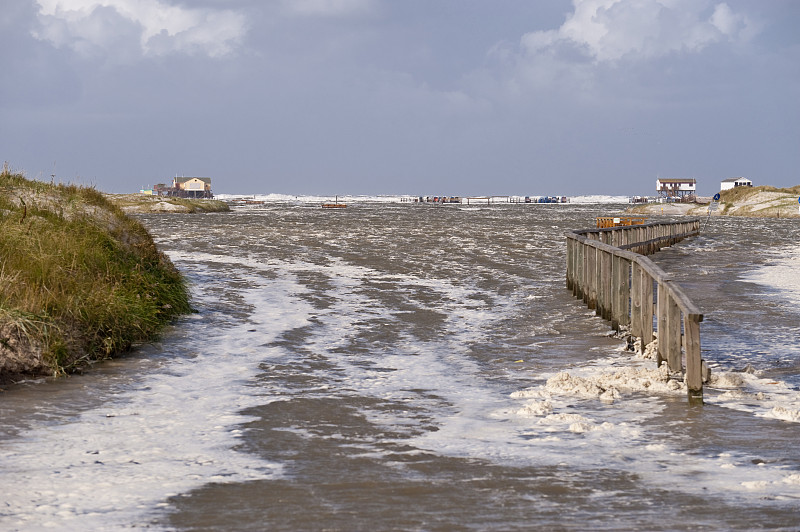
(619, 221)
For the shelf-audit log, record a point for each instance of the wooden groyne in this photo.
(608, 270)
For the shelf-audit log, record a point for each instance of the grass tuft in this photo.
(79, 280)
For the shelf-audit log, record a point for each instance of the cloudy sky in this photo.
(428, 97)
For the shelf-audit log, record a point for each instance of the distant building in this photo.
(192, 187)
(676, 189)
(183, 187)
(734, 182)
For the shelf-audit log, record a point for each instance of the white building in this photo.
(676, 188)
(734, 182)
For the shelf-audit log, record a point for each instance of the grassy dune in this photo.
(759, 202)
(79, 280)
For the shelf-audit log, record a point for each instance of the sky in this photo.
(420, 97)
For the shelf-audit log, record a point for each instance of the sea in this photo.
(396, 365)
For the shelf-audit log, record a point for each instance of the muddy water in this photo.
(384, 367)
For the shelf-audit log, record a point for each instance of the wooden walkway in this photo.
(608, 269)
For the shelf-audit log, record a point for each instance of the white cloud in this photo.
(732, 24)
(151, 26)
(609, 30)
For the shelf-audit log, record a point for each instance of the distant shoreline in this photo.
(754, 202)
(144, 203)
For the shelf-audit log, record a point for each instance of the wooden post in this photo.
(673, 334)
(598, 282)
(661, 318)
(578, 290)
(591, 276)
(694, 374)
(636, 301)
(647, 309)
(570, 262)
(600, 308)
(606, 284)
(589, 281)
(616, 289)
(580, 270)
(594, 257)
(624, 289)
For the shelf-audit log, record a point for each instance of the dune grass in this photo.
(79, 279)
(738, 194)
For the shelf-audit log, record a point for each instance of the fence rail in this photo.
(608, 270)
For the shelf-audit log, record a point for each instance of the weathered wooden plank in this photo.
(568, 272)
(694, 374)
(661, 319)
(591, 276)
(607, 278)
(620, 292)
(580, 270)
(598, 282)
(647, 309)
(636, 300)
(673, 334)
(624, 289)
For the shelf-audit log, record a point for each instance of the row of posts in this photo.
(608, 270)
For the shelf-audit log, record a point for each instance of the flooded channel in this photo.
(391, 367)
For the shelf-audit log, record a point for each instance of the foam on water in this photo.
(316, 200)
(116, 463)
(549, 424)
(569, 407)
(304, 199)
(599, 199)
(750, 392)
(781, 274)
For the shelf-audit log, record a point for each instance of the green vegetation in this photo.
(761, 202)
(79, 280)
(735, 195)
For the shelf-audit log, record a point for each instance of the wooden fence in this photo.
(608, 269)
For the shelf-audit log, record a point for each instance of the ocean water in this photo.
(393, 366)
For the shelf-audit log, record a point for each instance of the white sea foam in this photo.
(750, 392)
(618, 435)
(306, 199)
(317, 199)
(599, 199)
(781, 274)
(118, 460)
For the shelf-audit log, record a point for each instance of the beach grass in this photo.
(79, 280)
(738, 194)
